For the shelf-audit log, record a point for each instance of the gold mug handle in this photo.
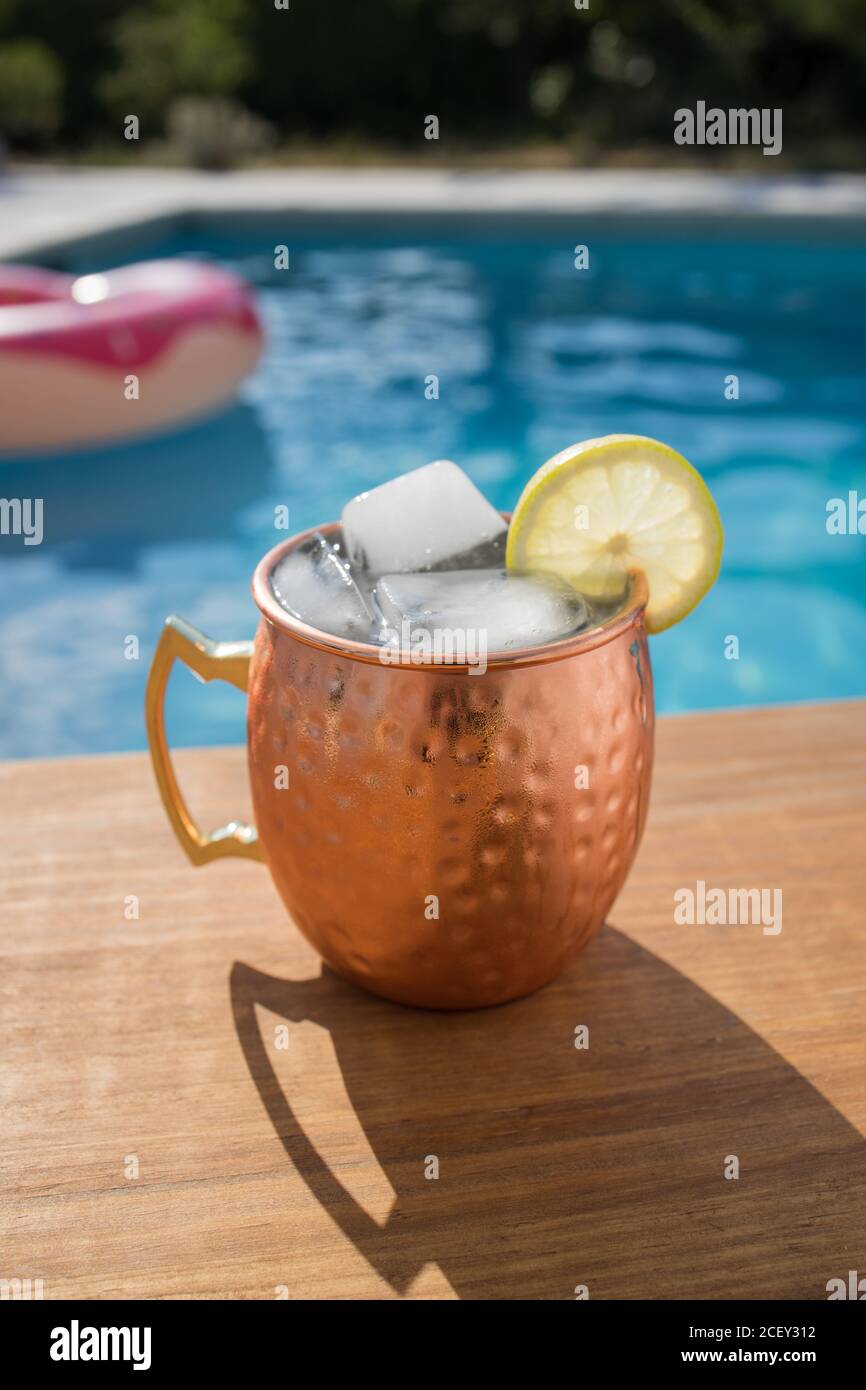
(227, 661)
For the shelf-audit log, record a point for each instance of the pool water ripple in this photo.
(530, 354)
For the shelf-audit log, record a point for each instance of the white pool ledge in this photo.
(42, 209)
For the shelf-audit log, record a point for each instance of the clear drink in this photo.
(420, 558)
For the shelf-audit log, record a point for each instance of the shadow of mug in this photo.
(561, 1166)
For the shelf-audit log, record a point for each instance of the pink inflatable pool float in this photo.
(105, 357)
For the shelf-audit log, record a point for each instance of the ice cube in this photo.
(488, 555)
(314, 583)
(422, 519)
(509, 610)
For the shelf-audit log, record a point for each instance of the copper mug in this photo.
(444, 838)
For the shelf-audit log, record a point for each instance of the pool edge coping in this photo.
(113, 202)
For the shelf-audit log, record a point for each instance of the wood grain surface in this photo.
(153, 1046)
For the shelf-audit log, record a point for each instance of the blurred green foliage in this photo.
(31, 85)
(495, 72)
(174, 48)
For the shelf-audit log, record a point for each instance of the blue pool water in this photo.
(531, 355)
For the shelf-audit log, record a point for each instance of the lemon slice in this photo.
(606, 506)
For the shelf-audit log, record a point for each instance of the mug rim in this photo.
(587, 640)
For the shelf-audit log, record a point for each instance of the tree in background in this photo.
(175, 48)
(31, 90)
(498, 73)
(77, 36)
(180, 61)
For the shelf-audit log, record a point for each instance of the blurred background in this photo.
(540, 82)
(530, 353)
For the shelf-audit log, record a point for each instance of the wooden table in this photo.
(158, 1142)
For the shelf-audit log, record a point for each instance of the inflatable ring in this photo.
(106, 357)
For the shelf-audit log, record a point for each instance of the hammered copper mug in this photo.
(443, 837)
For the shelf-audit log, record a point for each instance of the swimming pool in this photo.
(530, 354)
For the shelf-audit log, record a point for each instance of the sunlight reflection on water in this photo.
(530, 355)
